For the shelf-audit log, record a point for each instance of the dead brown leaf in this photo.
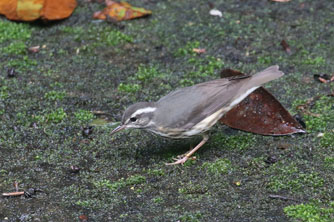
(286, 46)
(260, 112)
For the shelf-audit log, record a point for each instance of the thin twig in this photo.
(273, 196)
(13, 194)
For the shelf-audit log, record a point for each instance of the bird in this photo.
(193, 110)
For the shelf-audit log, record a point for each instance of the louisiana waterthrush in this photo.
(193, 110)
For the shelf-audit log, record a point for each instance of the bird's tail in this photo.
(255, 81)
(266, 75)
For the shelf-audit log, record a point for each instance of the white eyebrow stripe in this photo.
(144, 110)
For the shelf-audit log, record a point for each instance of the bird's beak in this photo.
(119, 128)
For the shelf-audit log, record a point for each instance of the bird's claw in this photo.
(181, 160)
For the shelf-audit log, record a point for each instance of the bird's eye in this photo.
(133, 119)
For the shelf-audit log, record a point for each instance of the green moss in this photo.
(15, 48)
(239, 142)
(147, 73)
(123, 216)
(258, 163)
(56, 116)
(14, 31)
(329, 162)
(192, 188)
(191, 217)
(4, 92)
(54, 95)
(220, 166)
(144, 76)
(12, 42)
(84, 115)
(288, 177)
(314, 123)
(327, 140)
(323, 114)
(157, 200)
(103, 36)
(108, 184)
(72, 30)
(76, 32)
(22, 118)
(129, 88)
(323, 105)
(156, 172)
(56, 84)
(85, 203)
(186, 82)
(23, 64)
(114, 37)
(199, 66)
(107, 36)
(204, 67)
(265, 60)
(310, 212)
(135, 179)
(132, 180)
(187, 49)
(316, 61)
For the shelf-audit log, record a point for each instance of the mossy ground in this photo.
(87, 69)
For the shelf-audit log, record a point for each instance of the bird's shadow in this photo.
(156, 148)
(160, 148)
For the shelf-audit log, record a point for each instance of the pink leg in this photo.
(186, 156)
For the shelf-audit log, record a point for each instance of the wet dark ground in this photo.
(88, 70)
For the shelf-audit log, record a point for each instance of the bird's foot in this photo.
(180, 160)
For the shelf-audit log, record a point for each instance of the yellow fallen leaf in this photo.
(30, 10)
(121, 11)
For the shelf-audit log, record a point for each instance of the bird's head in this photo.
(138, 115)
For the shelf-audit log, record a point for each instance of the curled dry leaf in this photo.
(286, 46)
(121, 11)
(34, 49)
(199, 51)
(83, 218)
(30, 10)
(260, 113)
